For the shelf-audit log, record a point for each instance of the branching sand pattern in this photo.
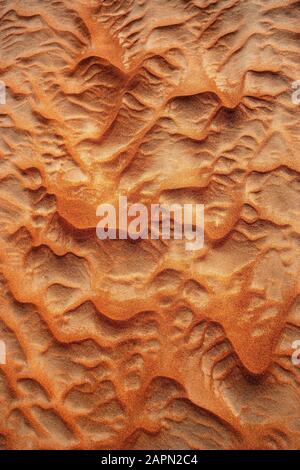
(122, 344)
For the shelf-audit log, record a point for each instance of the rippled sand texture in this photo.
(121, 344)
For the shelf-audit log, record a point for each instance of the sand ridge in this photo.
(118, 344)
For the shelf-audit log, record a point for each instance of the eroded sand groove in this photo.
(118, 344)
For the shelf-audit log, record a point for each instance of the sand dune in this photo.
(118, 344)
